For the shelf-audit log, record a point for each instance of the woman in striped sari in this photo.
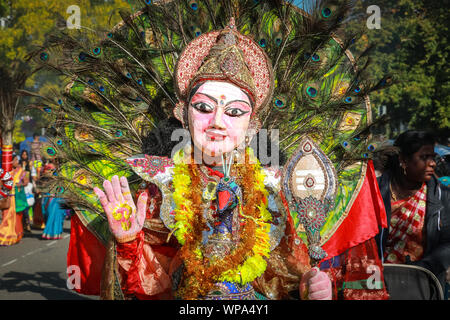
(417, 207)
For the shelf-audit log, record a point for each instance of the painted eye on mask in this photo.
(203, 107)
(235, 112)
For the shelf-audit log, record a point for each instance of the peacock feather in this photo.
(120, 89)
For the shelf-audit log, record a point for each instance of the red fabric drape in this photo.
(88, 253)
(133, 251)
(365, 216)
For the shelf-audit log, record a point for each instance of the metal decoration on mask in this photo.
(309, 182)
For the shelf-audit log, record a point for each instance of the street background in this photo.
(35, 269)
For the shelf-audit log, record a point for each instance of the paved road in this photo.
(35, 269)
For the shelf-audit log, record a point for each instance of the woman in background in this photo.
(417, 207)
(29, 194)
(52, 209)
(28, 190)
(25, 161)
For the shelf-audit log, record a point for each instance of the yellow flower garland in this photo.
(253, 266)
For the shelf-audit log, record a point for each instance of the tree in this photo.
(25, 24)
(412, 44)
(11, 80)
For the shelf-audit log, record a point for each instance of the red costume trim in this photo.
(88, 253)
(363, 220)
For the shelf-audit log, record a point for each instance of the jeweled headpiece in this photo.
(224, 55)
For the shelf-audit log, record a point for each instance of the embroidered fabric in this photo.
(357, 273)
(405, 234)
(148, 265)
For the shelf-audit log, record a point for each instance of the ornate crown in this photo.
(225, 55)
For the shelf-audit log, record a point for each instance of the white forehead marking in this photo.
(217, 89)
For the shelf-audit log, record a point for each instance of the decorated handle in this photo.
(124, 217)
(309, 182)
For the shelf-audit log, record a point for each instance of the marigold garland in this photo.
(246, 263)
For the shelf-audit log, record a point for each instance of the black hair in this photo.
(35, 135)
(159, 141)
(406, 144)
(22, 160)
(409, 142)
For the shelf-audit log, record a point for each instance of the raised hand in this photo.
(316, 285)
(124, 217)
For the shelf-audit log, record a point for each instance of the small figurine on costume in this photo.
(213, 216)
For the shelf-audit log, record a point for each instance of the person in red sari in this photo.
(417, 206)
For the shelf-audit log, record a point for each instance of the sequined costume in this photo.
(11, 228)
(248, 233)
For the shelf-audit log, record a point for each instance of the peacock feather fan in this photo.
(120, 89)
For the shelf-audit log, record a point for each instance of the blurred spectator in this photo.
(29, 196)
(417, 206)
(52, 208)
(25, 161)
(35, 148)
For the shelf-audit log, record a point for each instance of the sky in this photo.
(301, 3)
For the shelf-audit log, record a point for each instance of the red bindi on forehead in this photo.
(222, 100)
(223, 91)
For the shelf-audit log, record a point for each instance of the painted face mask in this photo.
(219, 115)
(232, 76)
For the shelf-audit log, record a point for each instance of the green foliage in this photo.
(413, 45)
(3, 8)
(18, 135)
(31, 20)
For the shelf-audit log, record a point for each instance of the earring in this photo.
(404, 169)
(238, 155)
(179, 113)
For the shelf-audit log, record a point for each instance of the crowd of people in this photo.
(29, 206)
